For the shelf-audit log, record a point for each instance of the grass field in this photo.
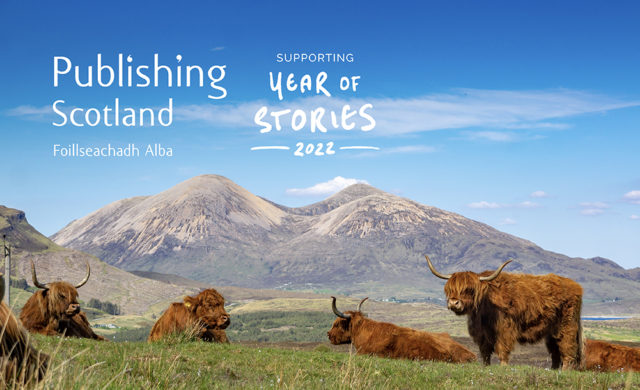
(281, 343)
(86, 364)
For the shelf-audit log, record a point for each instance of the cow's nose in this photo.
(74, 307)
(454, 304)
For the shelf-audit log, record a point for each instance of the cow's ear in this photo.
(190, 303)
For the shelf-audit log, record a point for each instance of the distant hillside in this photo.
(133, 294)
(359, 241)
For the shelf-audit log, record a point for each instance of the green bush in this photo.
(107, 307)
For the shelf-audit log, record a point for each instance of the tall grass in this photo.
(179, 362)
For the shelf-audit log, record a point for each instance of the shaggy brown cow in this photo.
(54, 310)
(20, 363)
(388, 340)
(503, 308)
(203, 313)
(602, 356)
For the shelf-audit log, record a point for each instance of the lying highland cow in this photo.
(204, 314)
(602, 356)
(20, 363)
(503, 308)
(54, 309)
(388, 340)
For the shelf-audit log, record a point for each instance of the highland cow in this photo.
(602, 356)
(505, 308)
(388, 340)
(54, 309)
(20, 362)
(203, 314)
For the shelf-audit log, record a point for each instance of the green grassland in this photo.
(87, 364)
(307, 320)
(263, 353)
(614, 330)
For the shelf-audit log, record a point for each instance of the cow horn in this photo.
(436, 273)
(336, 311)
(495, 274)
(34, 278)
(87, 277)
(361, 302)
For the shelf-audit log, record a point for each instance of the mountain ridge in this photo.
(359, 240)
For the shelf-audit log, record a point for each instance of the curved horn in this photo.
(87, 277)
(361, 302)
(336, 311)
(34, 278)
(495, 274)
(433, 270)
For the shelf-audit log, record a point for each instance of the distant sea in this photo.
(603, 318)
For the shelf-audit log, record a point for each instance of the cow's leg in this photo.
(486, 349)
(554, 350)
(504, 345)
(568, 335)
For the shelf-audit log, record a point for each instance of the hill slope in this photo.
(361, 240)
(133, 294)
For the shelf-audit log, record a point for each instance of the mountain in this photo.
(134, 295)
(359, 241)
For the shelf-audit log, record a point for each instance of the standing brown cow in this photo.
(203, 313)
(54, 309)
(388, 340)
(503, 308)
(602, 356)
(20, 362)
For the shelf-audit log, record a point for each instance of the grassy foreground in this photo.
(85, 364)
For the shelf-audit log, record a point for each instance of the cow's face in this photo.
(340, 332)
(461, 291)
(465, 290)
(208, 308)
(62, 299)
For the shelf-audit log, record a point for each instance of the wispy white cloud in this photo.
(593, 209)
(484, 205)
(39, 114)
(459, 109)
(217, 48)
(408, 149)
(508, 221)
(632, 197)
(493, 205)
(29, 110)
(539, 194)
(464, 108)
(330, 187)
(636, 217)
(495, 136)
(527, 205)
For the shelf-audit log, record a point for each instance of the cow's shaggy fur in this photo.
(203, 313)
(602, 356)
(20, 362)
(388, 340)
(55, 311)
(520, 308)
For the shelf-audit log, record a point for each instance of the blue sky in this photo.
(522, 116)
